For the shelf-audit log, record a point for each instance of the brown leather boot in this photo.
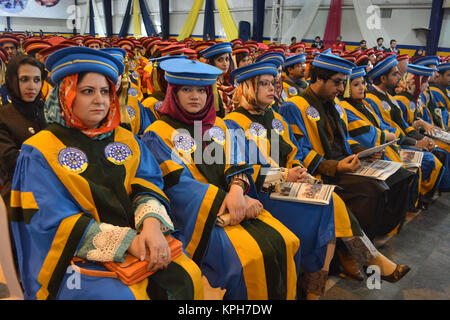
(349, 265)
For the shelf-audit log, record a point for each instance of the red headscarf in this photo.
(171, 107)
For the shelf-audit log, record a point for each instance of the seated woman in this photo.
(255, 256)
(22, 117)
(219, 55)
(87, 188)
(315, 225)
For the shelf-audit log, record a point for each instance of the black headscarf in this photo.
(33, 111)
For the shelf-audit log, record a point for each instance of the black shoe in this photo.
(400, 271)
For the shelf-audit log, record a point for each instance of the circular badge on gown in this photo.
(133, 92)
(184, 143)
(277, 125)
(118, 153)
(339, 109)
(135, 75)
(131, 112)
(292, 91)
(386, 106)
(73, 159)
(419, 105)
(157, 105)
(412, 106)
(257, 129)
(217, 135)
(312, 113)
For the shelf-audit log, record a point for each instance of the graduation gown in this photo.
(64, 182)
(315, 225)
(386, 107)
(440, 99)
(256, 259)
(376, 204)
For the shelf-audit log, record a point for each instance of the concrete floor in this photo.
(424, 245)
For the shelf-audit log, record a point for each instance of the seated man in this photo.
(386, 77)
(319, 123)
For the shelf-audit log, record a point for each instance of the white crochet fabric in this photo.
(107, 242)
(154, 208)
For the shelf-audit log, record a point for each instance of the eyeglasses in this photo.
(338, 82)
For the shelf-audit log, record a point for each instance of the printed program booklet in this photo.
(304, 192)
(441, 136)
(411, 158)
(379, 169)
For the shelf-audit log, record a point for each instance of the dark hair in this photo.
(321, 73)
(316, 37)
(240, 56)
(377, 80)
(362, 41)
(12, 77)
(363, 62)
(393, 40)
(380, 38)
(293, 38)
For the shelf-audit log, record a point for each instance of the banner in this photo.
(47, 9)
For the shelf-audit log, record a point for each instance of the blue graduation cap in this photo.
(443, 66)
(81, 59)
(383, 66)
(186, 72)
(255, 69)
(217, 49)
(332, 62)
(419, 70)
(357, 72)
(298, 58)
(427, 61)
(271, 56)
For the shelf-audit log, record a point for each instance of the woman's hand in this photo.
(297, 174)
(151, 245)
(235, 203)
(253, 208)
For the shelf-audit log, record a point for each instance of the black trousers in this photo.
(379, 206)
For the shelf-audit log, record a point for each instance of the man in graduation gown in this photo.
(385, 77)
(294, 81)
(319, 123)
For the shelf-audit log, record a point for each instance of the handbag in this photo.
(132, 270)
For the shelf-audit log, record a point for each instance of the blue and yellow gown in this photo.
(66, 182)
(315, 225)
(256, 259)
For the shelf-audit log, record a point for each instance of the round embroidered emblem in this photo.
(184, 143)
(292, 91)
(419, 105)
(339, 109)
(135, 75)
(157, 105)
(386, 106)
(73, 159)
(277, 125)
(133, 65)
(412, 106)
(257, 129)
(312, 113)
(131, 112)
(133, 92)
(118, 153)
(217, 135)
